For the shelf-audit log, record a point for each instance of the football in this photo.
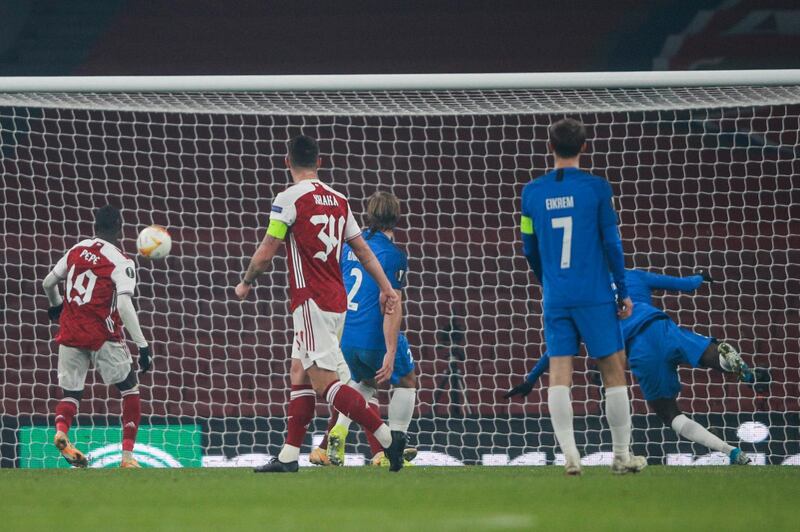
(154, 242)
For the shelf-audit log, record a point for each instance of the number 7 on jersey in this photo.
(565, 223)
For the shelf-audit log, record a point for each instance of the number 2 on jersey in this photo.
(355, 272)
(564, 223)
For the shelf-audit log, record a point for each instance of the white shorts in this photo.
(316, 338)
(112, 360)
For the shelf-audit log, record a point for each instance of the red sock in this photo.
(331, 422)
(301, 411)
(352, 404)
(65, 411)
(375, 446)
(131, 416)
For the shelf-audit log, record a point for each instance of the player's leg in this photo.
(723, 356)
(404, 393)
(72, 367)
(618, 413)
(351, 372)
(352, 404)
(322, 359)
(600, 329)
(302, 402)
(667, 410)
(657, 373)
(375, 447)
(401, 410)
(561, 338)
(404, 382)
(131, 417)
(559, 402)
(115, 365)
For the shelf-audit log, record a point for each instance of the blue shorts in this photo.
(655, 354)
(364, 363)
(597, 325)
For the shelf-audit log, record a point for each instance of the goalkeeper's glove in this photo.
(705, 275)
(145, 357)
(523, 389)
(55, 312)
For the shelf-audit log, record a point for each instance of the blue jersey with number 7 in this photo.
(569, 216)
(363, 326)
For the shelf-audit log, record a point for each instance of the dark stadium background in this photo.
(139, 37)
(303, 37)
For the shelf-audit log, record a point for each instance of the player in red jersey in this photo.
(100, 281)
(315, 220)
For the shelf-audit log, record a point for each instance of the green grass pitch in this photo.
(417, 499)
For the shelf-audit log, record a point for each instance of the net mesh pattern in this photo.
(703, 178)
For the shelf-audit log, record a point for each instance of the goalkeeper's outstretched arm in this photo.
(525, 387)
(658, 281)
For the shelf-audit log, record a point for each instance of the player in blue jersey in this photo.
(656, 346)
(373, 347)
(571, 241)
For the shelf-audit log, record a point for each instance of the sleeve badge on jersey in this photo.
(400, 275)
(129, 272)
(277, 208)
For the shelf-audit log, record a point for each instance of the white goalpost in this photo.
(705, 167)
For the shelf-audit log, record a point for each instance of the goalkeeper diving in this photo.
(656, 346)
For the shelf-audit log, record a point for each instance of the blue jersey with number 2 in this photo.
(571, 215)
(363, 327)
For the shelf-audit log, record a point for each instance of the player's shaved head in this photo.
(107, 220)
(303, 152)
(383, 211)
(567, 137)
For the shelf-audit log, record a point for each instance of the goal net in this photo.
(704, 177)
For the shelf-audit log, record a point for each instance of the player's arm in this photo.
(612, 244)
(50, 285)
(124, 279)
(525, 387)
(127, 313)
(281, 217)
(658, 281)
(391, 331)
(392, 322)
(530, 244)
(262, 257)
(530, 248)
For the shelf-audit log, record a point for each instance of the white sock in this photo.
(692, 430)
(289, 453)
(127, 455)
(560, 404)
(366, 391)
(618, 414)
(401, 408)
(384, 436)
